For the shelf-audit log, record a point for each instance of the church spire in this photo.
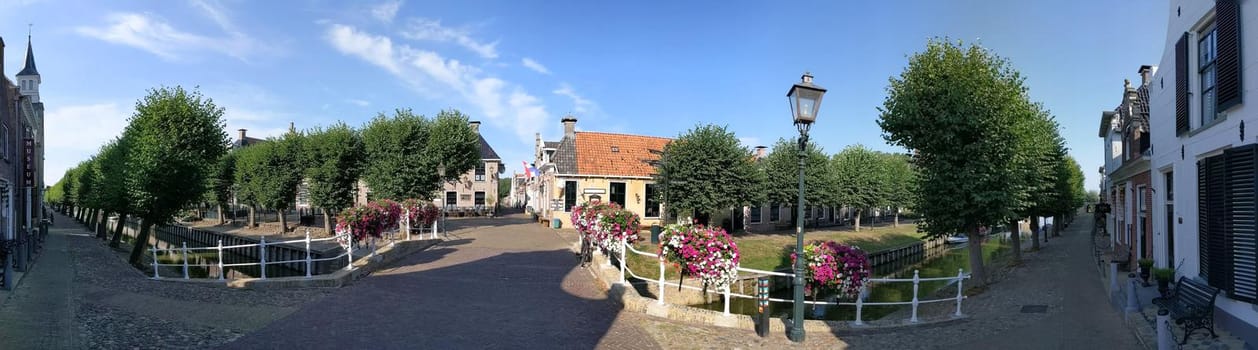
(30, 59)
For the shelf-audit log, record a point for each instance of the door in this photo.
(1141, 228)
(1170, 220)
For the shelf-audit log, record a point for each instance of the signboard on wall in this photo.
(28, 160)
(556, 204)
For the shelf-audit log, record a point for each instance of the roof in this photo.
(30, 61)
(617, 154)
(551, 144)
(1107, 118)
(487, 151)
(248, 141)
(565, 157)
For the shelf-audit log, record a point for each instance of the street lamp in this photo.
(805, 99)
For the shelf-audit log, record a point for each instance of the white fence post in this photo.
(154, 249)
(221, 273)
(624, 246)
(1163, 326)
(660, 299)
(960, 278)
(262, 256)
(185, 260)
(860, 304)
(308, 262)
(349, 253)
(726, 300)
(916, 281)
(373, 246)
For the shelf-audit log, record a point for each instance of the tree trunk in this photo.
(856, 221)
(91, 220)
(327, 221)
(100, 224)
(1057, 223)
(976, 257)
(221, 218)
(117, 238)
(1015, 239)
(897, 219)
(283, 220)
(253, 215)
(1035, 232)
(141, 239)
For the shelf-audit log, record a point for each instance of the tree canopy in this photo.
(405, 151)
(333, 159)
(717, 170)
(861, 178)
(781, 168)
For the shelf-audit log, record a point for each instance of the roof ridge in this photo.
(623, 134)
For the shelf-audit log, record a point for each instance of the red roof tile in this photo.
(617, 154)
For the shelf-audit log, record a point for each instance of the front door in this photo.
(1170, 220)
(1140, 223)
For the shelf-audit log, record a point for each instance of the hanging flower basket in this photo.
(606, 225)
(834, 267)
(706, 253)
(371, 220)
(419, 212)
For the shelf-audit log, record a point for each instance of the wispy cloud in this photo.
(580, 105)
(386, 11)
(153, 34)
(358, 102)
(432, 30)
(499, 101)
(75, 132)
(536, 67)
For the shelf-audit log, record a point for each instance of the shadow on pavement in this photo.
(438, 299)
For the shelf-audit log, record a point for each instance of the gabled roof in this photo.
(551, 144)
(565, 157)
(248, 141)
(486, 151)
(617, 154)
(30, 61)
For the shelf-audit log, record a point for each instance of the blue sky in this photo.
(654, 68)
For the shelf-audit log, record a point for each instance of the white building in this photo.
(1203, 157)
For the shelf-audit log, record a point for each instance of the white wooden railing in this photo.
(860, 302)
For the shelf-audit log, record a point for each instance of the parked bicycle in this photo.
(587, 252)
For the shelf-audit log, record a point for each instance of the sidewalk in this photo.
(39, 312)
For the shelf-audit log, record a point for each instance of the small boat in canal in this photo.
(957, 239)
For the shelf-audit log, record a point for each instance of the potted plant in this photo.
(1164, 277)
(1145, 265)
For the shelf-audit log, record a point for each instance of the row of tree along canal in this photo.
(930, 259)
(204, 263)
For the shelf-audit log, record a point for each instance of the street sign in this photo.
(28, 156)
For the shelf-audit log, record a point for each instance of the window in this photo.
(618, 193)
(452, 199)
(652, 204)
(569, 195)
(480, 172)
(480, 198)
(775, 213)
(755, 215)
(1206, 53)
(1226, 193)
(4, 141)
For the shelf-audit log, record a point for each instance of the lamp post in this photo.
(805, 99)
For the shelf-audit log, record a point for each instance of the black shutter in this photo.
(1181, 85)
(1239, 235)
(1203, 216)
(1214, 221)
(1228, 41)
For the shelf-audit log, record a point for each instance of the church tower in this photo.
(28, 79)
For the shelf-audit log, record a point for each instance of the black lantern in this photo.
(805, 98)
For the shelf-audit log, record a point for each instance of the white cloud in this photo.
(153, 34)
(358, 102)
(499, 101)
(74, 133)
(580, 105)
(536, 67)
(386, 11)
(432, 30)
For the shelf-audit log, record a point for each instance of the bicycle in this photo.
(587, 252)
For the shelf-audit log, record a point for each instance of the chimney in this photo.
(475, 126)
(760, 152)
(1146, 74)
(242, 136)
(569, 127)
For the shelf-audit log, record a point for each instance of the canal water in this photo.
(942, 261)
(203, 263)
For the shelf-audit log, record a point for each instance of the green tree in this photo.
(716, 167)
(781, 172)
(900, 183)
(504, 186)
(177, 136)
(222, 181)
(860, 180)
(281, 173)
(248, 180)
(452, 145)
(113, 173)
(86, 193)
(952, 106)
(405, 151)
(1037, 149)
(334, 159)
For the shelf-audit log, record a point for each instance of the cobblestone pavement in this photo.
(81, 294)
(510, 284)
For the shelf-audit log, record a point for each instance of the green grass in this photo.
(773, 250)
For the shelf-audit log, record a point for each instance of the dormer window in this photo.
(615, 149)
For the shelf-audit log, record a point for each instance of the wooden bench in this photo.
(1191, 304)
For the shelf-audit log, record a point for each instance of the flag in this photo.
(527, 174)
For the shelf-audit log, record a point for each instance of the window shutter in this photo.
(1181, 85)
(1214, 221)
(1239, 234)
(1203, 217)
(1228, 40)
